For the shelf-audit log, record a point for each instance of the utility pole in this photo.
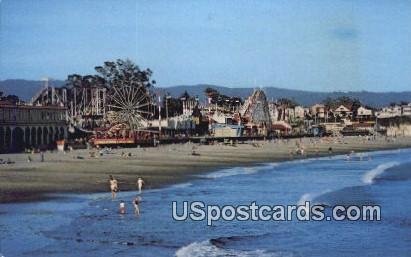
(159, 116)
(167, 97)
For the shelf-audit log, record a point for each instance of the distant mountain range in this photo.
(25, 89)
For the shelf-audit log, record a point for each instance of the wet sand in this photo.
(78, 172)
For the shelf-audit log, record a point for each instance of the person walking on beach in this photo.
(113, 186)
(122, 207)
(140, 183)
(136, 204)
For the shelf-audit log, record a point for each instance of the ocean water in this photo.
(89, 225)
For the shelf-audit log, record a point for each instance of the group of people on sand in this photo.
(114, 188)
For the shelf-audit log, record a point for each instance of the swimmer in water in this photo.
(140, 183)
(122, 207)
(136, 204)
(113, 186)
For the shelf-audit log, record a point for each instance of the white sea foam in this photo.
(182, 185)
(231, 172)
(369, 177)
(300, 161)
(393, 151)
(206, 249)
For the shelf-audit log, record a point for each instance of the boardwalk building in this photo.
(23, 126)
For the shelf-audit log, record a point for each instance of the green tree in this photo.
(124, 72)
(174, 106)
(12, 99)
(287, 102)
(332, 103)
(222, 100)
(211, 92)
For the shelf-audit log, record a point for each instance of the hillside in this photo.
(306, 98)
(25, 89)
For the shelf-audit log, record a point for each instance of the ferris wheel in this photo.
(131, 104)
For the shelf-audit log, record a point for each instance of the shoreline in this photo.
(159, 167)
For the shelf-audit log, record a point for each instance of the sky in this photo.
(317, 45)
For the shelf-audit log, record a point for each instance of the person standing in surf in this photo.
(140, 183)
(113, 186)
(136, 204)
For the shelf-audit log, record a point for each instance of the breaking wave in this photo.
(208, 249)
(304, 198)
(370, 176)
(310, 197)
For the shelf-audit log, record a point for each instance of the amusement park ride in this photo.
(122, 113)
(116, 115)
(256, 114)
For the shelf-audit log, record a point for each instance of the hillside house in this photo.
(342, 111)
(364, 113)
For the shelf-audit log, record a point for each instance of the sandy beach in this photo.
(78, 172)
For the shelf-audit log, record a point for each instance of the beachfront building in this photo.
(25, 126)
(281, 128)
(279, 112)
(290, 114)
(364, 113)
(225, 125)
(406, 109)
(274, 111)
(173, 126)
(342, 111)
(227, 130)
(389, 112)
(189, 104)
(395, 120)
(299, 112)
(317, 111)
